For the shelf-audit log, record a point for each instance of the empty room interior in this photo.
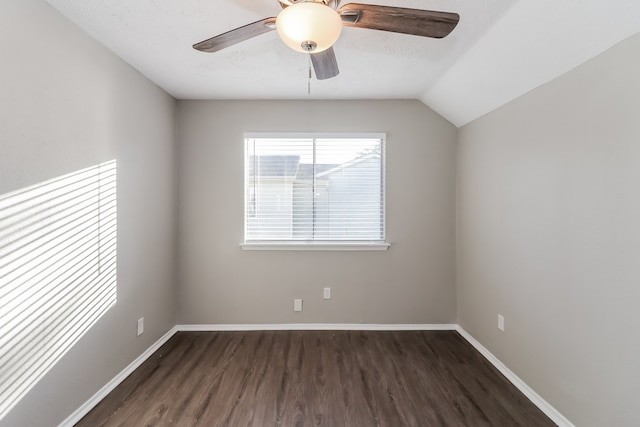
(506, 164)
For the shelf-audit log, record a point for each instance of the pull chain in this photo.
(309, 46)
(309, 79)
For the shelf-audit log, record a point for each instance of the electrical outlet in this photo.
(140, 326)
(327, 293)
(501, 322)
(297, 305)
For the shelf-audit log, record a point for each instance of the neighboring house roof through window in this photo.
(274, 165)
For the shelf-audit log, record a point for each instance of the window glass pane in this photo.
(348, 189)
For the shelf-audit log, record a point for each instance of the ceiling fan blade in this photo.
(325, 64)
(426, 23)
(236, 35)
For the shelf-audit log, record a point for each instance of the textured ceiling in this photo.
(499, 50)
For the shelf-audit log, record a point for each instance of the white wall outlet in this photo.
(501, 322)
(140, 326)
(327, 293)
(297, 305)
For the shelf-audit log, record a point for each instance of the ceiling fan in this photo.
(313, 26)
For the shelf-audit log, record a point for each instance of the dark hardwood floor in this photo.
(303, 378)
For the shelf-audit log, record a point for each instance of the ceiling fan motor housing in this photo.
(331, 3)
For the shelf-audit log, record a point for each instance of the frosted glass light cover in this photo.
(309, 22)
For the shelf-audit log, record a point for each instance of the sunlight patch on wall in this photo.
(57, 272)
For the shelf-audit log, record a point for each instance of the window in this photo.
(307, 191)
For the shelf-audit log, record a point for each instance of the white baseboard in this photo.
(319, 327)
(534, 397)
(108, 388)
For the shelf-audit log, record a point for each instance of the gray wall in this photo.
(67, 104)
(412, 282)
(549, 236)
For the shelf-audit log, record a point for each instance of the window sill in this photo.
(315, 246)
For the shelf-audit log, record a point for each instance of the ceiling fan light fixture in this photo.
(309, 27)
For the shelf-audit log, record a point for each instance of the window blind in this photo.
(314, 189)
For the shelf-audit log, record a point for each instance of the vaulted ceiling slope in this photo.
(500, 50)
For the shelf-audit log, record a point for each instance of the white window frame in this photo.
(310, 245)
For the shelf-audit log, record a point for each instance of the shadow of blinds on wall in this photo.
(57, 272)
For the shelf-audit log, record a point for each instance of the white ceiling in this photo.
(500, 50)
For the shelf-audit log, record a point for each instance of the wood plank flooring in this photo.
(309, 378)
